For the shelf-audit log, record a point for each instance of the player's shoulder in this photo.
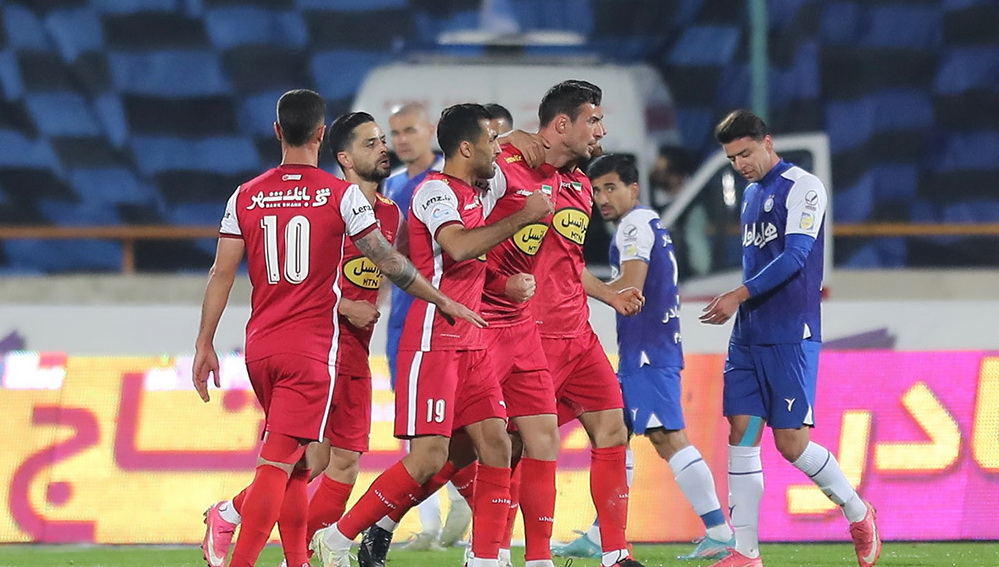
(639, 215)
(801, 178)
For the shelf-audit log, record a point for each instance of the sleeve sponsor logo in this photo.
(807, 221)
(630, 250)
(759, 236)
(528, 239)
(630, 233)
(571, 224)
(812, 198)
(362, 272)
(433, 200)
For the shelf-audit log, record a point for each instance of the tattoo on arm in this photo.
(394, 265)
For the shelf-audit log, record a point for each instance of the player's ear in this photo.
(277, 131)
(465, 148)
(343, 158)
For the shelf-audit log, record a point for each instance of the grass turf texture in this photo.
(897, 554)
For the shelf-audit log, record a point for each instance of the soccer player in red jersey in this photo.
(585, 384)
(445, 381)
(292, 222)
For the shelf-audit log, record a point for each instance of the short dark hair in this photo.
(622, 164)
(681, 159)
(498, 112)
(566, 98)
(299, 113)
(460, 123)
(741, 123)
(341, 132)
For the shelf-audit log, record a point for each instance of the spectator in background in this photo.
(500, 118)
(672, 169)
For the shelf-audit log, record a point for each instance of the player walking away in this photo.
(585, 384)
(649, 345)
(446, 382)
(359, 147)
(285, 220)
(773, 355)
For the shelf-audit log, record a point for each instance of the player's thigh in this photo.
(790, 371)
(744, 391)
(296, 394)
(479, 395)
(425, 393)
(652, 399)
(350, 421)
(591, 385)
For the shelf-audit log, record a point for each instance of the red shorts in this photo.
(350, 422)
(295, 393)
(583, 377)
(437, 392)
(519, 361)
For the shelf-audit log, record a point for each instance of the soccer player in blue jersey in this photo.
(773, 354)
(649, 346)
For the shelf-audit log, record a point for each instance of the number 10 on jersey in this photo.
(296, 249)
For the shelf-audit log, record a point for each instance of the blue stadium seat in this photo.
(242, 25)
(84, 213)
(854, 204)
(850, 123)
(351, 4)
(706, 45)
(75, 31)
(801, 80)
(10, 75)
(129, 6)
(220, 155)
(780, 13)
(111, 186)
(962, 4)
(972, 212)
(64, 255)
(169, 73)
(111, 113)
(338, 73)
(968, 68)
(888, 25)
(566, 15)
(23, 28)
(63, 114)
(881, 253)
(195, 214)
(429, 26)
(966, 151)
(257, 114)
(21, 151)
(695, 125)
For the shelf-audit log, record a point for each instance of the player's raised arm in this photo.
(400, 271)
(462, 244)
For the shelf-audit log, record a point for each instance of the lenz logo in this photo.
(363, 273)
(572, 224)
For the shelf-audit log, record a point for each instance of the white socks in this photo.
(430, 515)
(745, 486)
(229, 513)
(387, 524)
(821, 466)
(698, 485)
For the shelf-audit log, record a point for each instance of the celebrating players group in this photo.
(496, 350)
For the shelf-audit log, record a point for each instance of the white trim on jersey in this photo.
(427, 331)
(492, 195)
(435, 204)
(357, 212)
(335, 345)
(806, 203)
(634, 238)
(414, 377)
(230, 220)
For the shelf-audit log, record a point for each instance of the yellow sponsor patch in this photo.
(528, 239)
(572, 224)
(363, 273)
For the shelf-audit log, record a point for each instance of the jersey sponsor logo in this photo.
(572, 224)
(769, 204)
(812, 198)
(322, 197)
(514, 159)
(630, 232)
(362, 272)
(291, 177)
(476, 203)
(528, 239)
(807, 221)
(439, 212)
(434, 200)
(362, 210)
(759, 236)
(294, 197)
(671, 313)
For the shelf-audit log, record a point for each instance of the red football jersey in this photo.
(361, 280)
(513, 183)
(560, 305)
(438, 201)
(294, 221)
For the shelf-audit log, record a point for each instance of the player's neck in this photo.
(300, 155)
(459, 170)
(420, 164)
(557, 155)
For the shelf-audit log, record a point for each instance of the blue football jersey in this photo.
(652, 337)
(399, 187)
(788, 200)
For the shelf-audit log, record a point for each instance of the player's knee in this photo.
(543, 444)
(280, 448)
(425, 459)
(790, 446)
(496, 450)
(610, 431)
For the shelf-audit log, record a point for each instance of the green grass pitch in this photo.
(895, 554)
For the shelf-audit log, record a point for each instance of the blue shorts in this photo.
(775, 382)
(652, 399)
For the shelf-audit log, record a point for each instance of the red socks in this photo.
(261, 507)
(464, 482)
(327, 504)
(428, 488)
(538, 484)
(609, 489)
(293, 519)
(392, 489)
(489, 513)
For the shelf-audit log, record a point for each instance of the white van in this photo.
(638, 108)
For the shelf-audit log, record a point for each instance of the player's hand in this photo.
(532, 146)
(724, 306)
(538, 206)
(206, 363)
(360, 314)
(451, 310)
(628, 301)
(520, 287)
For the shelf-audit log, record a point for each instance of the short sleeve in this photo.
(230, 223)
(358, 214)
(496, 190)
(634, 240)
(806, 206)
(435, 205)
